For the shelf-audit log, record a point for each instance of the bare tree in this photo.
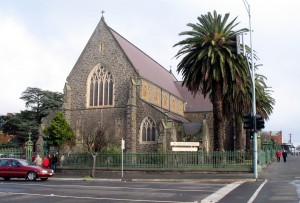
(93, 139)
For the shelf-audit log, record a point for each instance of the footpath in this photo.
(276, 170)
(154, 176)
(288, 170)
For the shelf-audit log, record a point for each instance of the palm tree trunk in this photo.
(238, 134)
(248, 141)
(219, 130)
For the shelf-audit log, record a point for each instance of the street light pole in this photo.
(247, 5)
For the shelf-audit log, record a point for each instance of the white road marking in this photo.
(91, 198)
(257, 191)
(116, 187)
(218, 195)
(296, 183)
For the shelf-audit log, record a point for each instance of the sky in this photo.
(40, 41)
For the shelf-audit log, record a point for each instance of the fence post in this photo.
(29, 147)
(45, 148)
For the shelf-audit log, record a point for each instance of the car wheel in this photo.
(6, 178)
(31, 175)
(44, 179)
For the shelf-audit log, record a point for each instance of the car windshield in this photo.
(24, 162)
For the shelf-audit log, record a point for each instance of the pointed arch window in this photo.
(101, 87)
(148, 131)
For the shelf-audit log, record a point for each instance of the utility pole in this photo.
(247, 6)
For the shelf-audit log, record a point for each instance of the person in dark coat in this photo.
(54, 162)
(284, 155)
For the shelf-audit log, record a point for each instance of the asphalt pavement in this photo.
(282, 170)
(277, 183)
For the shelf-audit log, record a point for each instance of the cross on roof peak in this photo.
(102, 12)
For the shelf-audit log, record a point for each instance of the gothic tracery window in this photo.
(101, 87)
(148, 130)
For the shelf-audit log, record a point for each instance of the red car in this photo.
(20, 168)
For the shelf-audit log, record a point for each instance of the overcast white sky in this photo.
(40, 42)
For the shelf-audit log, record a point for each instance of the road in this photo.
(87, 191)
(279, 183)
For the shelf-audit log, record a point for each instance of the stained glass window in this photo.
(101, 87)
(148, 130)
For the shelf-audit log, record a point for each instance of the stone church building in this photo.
(117, 87)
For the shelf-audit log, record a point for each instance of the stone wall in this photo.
(200, 116)
(111, 57)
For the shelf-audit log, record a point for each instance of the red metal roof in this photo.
(146, 67)
(195, 103)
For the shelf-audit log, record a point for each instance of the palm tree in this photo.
(264, 100)
(209, 64)
(239, 102)
(235, 101)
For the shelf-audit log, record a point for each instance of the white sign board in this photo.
(184, 149)
(185, 146)
(123, 144)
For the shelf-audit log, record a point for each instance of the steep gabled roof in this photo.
(195, 103)
(146, 67)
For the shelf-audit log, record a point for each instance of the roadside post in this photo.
(122, 147)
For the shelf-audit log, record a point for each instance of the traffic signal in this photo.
(235, 44)
(260, 122)
(248, 121)
(251, 135)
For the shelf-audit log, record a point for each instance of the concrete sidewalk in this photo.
(155, 176)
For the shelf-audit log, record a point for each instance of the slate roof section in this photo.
(171, 115)
(195, 103)
(146, 67)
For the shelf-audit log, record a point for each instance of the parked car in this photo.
(20, 168)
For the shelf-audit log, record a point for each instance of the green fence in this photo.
(11, 152)
(211, 161)
(162, 161)
(266, 157)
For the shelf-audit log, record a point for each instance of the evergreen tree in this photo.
(41, 102)
(59, 131)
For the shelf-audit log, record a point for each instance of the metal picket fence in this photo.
(11, 152)
(209, 161)
(241, 161)
(266, 157)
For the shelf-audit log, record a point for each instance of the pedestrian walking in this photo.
(284, 155)
(46, 162)
(62, 159)
(278, 155)
(54, 162)
(38, 160)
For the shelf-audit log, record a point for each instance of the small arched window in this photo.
(148, 131)
(101, 87)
